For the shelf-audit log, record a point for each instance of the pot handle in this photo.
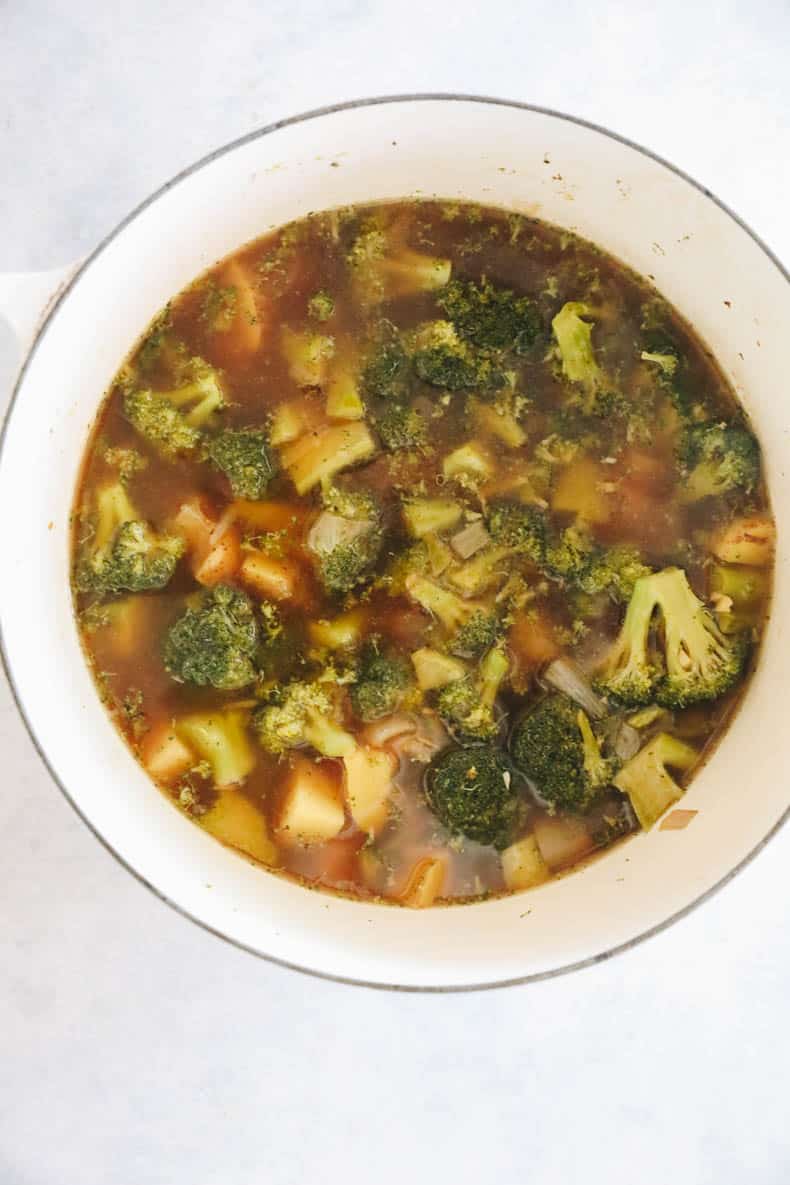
(27, 297)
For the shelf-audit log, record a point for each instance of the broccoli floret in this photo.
(519, 527)
(718, 459)
(172, 420)
(614, 571)
(387, 374)
(569, 555)
(468, 704)
(345, 539)
(574, 342)
(472, 627)
(491, 318)
(321, 305)
(381, 685)
(124, 553)
(556, 748)
(402, 426)
(646, 781)
(696, 661)
(443, 359)
(378, 272)
(477, 634)
(303, 714)
(127, 461)
(244, 456)
(215, 643)
(476, 793)
(412, 561)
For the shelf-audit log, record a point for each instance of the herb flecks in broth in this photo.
(421, 551)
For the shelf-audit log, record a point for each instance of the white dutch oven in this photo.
(577, 176)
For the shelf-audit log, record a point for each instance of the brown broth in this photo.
(630, 485)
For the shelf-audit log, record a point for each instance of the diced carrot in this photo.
(271, 576)
(195, 523)
(269, 516)
(164, 754)
(223, 560)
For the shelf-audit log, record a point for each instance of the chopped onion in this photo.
(626, 742)
(381, 732)
(564, 675)
(429, 737)
(330, 530)
(472, 538)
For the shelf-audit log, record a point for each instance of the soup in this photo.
(421, 551)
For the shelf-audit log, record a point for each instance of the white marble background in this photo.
(136, 1049)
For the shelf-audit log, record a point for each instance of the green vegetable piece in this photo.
(125, 554)
(476, 793)
(491, 318)
(244, 456)
(215, 644)
(303, 714)
(381, 685)
(556, 748)
(647, 782)
(718, 459)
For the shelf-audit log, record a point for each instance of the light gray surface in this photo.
(137, 1050)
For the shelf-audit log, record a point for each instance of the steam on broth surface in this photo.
(421, 550)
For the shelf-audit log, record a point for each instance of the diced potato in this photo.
(562, 840)
(291, 420)
(223, 560)
(470, 460)
(308, 355)
(434, 669)
(164, 754)
(440, 557)
(484, 571)
(523, 865)
(339, 633)
(237, 327)
(271, 576)
(311, 811)
(322, 454)
(425, 883)
(499, 423)
(369, 774)
(125, 625)
(747, 540)
(235, 821)
(426, 516)
(343, 400)
(578, 490)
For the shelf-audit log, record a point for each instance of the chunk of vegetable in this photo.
(369, 774)
(220, 738)
(581, 489)
(470, 460)
(164, 754)
(311, 811)
(272, 576)
(427, 516)
(308, 355)
(235, 821)
(339, 633)
(747, 540)
(522, 864)
(319, 455)
(646, 780)
(434, 669)
(237, 324)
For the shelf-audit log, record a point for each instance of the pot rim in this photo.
(38, 744)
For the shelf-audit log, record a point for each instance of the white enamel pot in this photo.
(637, 207)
